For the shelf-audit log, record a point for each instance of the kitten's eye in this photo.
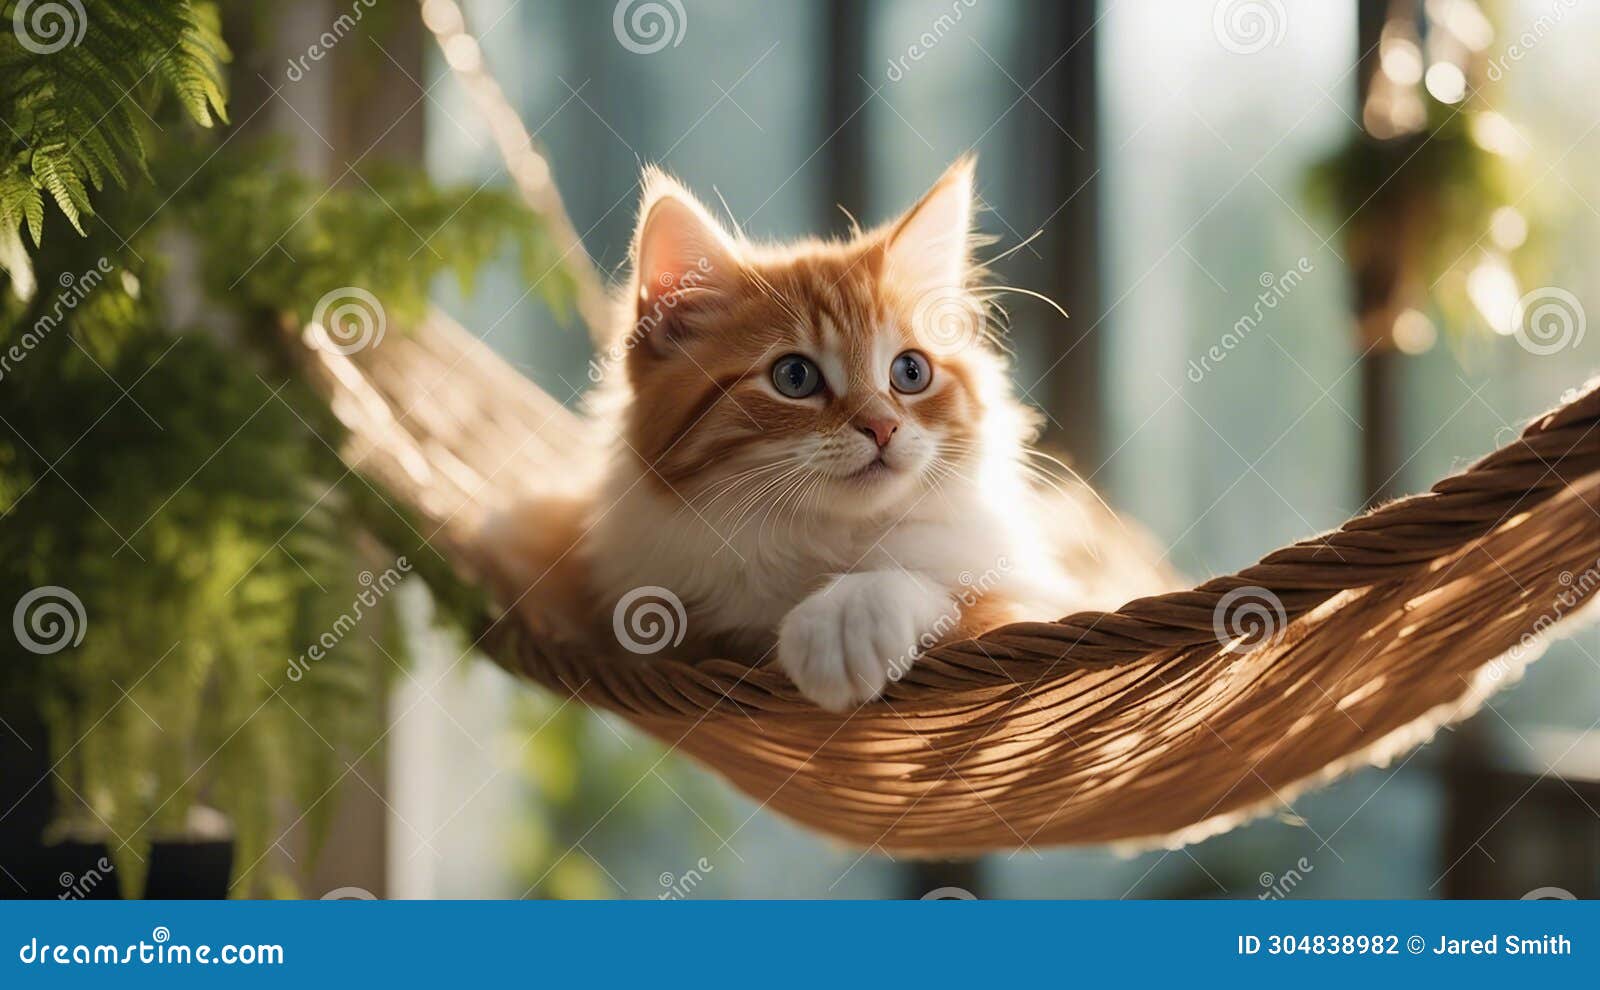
(910, 372)
(796, 377)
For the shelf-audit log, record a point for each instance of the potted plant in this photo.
(199, 590)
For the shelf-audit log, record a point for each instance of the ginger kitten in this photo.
(814, 447)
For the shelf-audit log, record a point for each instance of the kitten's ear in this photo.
(679, 249)
(931, 245)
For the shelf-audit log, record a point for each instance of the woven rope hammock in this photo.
(1148, 724)
(1135, 726)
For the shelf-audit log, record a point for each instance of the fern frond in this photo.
(77, 82)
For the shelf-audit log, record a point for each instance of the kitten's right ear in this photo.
(679, 252)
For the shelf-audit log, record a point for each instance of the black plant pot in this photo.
(178, 868)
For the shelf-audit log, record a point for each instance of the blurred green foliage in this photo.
(1441, 179)
(176, 479)
(602, 793)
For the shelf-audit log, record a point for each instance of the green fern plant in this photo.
(277, 241)
(201, 517)
(76, 80)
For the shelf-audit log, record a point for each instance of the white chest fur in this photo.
(742, 576)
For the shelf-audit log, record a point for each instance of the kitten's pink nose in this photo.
(879, 428)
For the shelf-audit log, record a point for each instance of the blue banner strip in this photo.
(707, 944)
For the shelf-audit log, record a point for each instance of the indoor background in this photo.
(1159, 168)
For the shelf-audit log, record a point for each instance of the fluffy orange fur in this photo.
(812, 447)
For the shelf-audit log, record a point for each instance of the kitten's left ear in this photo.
(931, 245)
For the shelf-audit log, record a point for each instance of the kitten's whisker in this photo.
(749, 494)
(733, 221)
(775, 507)
(855, 225)
(1028, 292)
(1054, 475)
(1008, 252)
(774, 510)
(751, 499)
(998, 332)
(727, 487)
(1072, 472)
(948, 472)
(771, 292)
(804, 492)
(812, 486)
(711, 493)
(753, 503)
(738, 476)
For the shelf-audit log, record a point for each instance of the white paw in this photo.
(841, 645)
